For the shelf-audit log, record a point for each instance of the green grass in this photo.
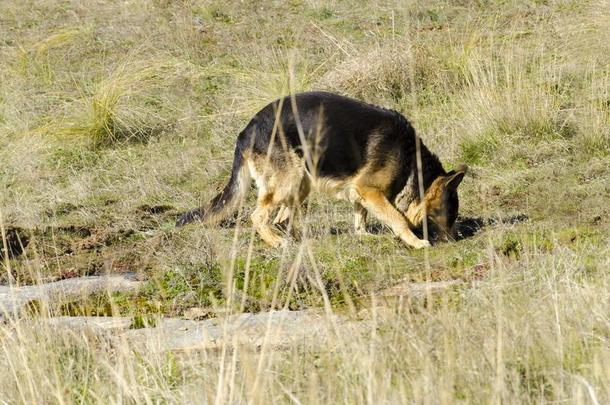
(115, 117)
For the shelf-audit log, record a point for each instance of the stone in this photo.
(275, 329)
(14, 299)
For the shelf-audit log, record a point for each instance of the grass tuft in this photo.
(126, 107)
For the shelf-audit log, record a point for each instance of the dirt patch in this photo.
(17, 239)
(72, 250)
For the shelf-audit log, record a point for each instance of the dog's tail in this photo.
(230, 197)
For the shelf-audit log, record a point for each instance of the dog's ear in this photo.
(455, 177)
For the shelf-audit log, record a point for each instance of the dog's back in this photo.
(339, 131)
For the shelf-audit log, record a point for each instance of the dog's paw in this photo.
(422, 243)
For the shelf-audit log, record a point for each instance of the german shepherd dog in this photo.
(352, 150)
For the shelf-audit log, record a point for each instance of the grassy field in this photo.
(115, 116)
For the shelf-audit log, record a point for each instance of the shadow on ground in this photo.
(466, 227)
(469, 226)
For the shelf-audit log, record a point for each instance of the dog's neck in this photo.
(408, 200)
(415, 213)
(409, 203)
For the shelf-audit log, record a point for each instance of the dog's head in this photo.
(442, 203)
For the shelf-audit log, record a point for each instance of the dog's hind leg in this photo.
(260, 218)
(291, 206)
(267, 200)
(281, 184)
(282, 215)
(285, 220)
(377, 204)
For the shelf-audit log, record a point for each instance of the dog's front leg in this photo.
(377, 203)
(360, 214)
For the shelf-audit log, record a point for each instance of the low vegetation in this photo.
(116, 116)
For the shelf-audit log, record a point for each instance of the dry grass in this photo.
(115, 116)
(382, 70)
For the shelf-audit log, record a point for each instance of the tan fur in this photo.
(415, 213)
(374, 200)
(281, 185)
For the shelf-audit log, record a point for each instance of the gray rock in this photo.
(90, 323)
(418, 290)
(13, 300)
(275, 329)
